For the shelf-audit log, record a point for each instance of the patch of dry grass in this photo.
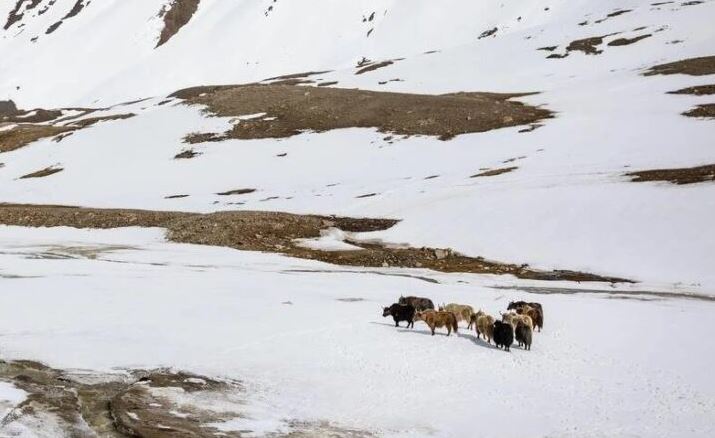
(23, 135)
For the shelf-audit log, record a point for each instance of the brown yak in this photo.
(435, 319)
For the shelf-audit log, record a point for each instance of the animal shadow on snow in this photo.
(470, 336)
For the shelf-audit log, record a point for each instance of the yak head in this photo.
(385, 311)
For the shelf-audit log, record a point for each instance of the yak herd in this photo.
(518, 322)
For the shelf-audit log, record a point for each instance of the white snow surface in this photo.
(607, 364)
(602, 366)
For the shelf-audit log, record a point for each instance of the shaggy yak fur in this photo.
(535, 313)
(435, 319)
(484, 324)
(400, 312)
(462, 311)
(418, 302)
(503, 335)
(523, 335)
(513, 305)
(513, 319)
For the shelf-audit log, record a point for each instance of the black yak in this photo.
(400, 312)
(419, 303)
(503, 335)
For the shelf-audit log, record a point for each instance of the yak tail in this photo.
(455, 326)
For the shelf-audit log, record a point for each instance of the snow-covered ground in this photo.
(307, 351)
(613, 362)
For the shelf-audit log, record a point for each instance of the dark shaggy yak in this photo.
(400, 312)
(523, 335)
(503, 335)
(533, 310)
(419, 303)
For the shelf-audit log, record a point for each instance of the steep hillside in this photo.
(568, 177)
(332, 155)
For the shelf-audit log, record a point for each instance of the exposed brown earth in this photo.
(296, 76)
(40, 115)
(706, 110)
(236, 192)
(588, 46)
(15, 15)
(628, 41)
(43, 173)
(176, 16)
(277, 232)
(22, 135)
(76, 9)
(698, 90)
(685, 175)
(89, 121)
(291, 110)
(7, 108)
(372, 67)
(693, 66)
(185, 155)
(494, 172)
(132, 404)
(613, 14)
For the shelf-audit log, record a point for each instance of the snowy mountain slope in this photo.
(107, 52)
(306, 339)
(567, 205)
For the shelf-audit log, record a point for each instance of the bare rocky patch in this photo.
(236, 192)
(703, 111)
(37, 115)
(613, 14)
(589, 46)
(698, 90)
(494, 172)
(373, 66)
(186, 154)
(76, 9)
(22, 135)
(89, 121)
(680, 176)
(43, 172)
(15, 15)
(628, 41)
(693, 66)
(290, 110)
(175, 16)
(134, 403)
(277, 232)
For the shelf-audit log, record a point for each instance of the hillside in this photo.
(478, 152)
